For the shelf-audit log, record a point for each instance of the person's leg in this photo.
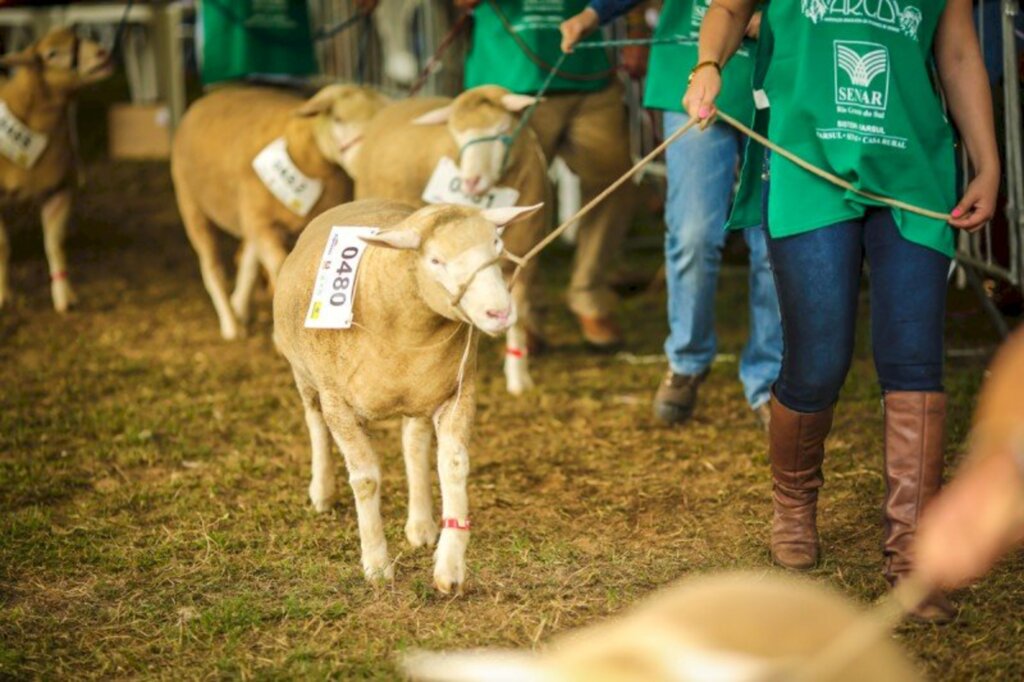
(762, 356)
(817, 276)
(701, 174)
(908, 306)
(596, 147)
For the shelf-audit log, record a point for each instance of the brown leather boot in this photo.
(914, 446)
(796, 446)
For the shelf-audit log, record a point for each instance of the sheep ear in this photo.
(503, 216)
(472, 666)
(516, 103)
(26, 57)
(435, 117)
(320, 102)
(395, 239)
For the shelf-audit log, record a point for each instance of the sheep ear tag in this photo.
(293, 188)
(18, 142)
(445, 187)
(334, 289)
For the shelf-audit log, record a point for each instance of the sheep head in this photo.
(340, 114)
(477, 119)
(63, 61)
(458, 261)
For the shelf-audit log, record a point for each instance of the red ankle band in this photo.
(514, 353)
(454, 524)
(58, 276)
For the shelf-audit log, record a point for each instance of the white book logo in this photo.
(861, 68)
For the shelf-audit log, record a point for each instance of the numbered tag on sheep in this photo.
(285, 181)
(335, 287)
(445, 187)
(18, 142)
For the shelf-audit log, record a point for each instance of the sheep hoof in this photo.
(323, 500)
(230, 331)
(518, 385)
(63, 296)
(378, 573)
(421, 533)
(448, 584)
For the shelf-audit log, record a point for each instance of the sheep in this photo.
(37, 156)
(406, 141)
(736, 627)
(430, 279)
(223, 137)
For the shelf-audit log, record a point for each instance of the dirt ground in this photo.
(153, 481)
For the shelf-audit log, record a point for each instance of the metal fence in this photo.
(998, 249)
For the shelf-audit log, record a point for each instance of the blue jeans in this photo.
(701, 176)
(818, 278)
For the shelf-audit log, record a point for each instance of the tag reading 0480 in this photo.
(341, 283)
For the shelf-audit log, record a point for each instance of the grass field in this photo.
(153, 512)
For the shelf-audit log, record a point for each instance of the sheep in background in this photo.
(37, 158)
(259, 163)
(429, 278)
(407, 140)
(728, 628)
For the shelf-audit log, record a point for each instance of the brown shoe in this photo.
(677, 396)
(914, 447)
(796, 447)
(601, 333)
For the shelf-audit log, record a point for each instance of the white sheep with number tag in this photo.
(429, 279)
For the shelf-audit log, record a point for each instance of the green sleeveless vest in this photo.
(495, 58)
(849, 90)
(671, 64)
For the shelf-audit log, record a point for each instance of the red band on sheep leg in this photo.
(514, 352)
(454, 524)
(58, 276)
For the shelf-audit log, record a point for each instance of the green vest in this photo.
(496, 59)
(849, 88)
(244, 37)
(671, 64)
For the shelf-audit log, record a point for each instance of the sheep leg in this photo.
(55, 215)
(5, 261)
(417, 437)
(364, 478)
(322, 488)
(245, 280)
(517, 363)
(454, 423)
(269, 247)
(202, 235)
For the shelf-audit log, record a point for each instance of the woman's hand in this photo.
(576, 28)
(699, 100)
(978, 204)
(754, 27)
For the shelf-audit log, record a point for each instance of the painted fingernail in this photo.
(703, 113)
(956, 213)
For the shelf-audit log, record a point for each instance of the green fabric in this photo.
(496, 59)
(850, 92)
(670, 65)
(244, 37)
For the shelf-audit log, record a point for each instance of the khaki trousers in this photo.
(590, 132)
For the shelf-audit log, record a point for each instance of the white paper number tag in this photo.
(335, 287)
(18, 142)
(445, 187)
(284, 180)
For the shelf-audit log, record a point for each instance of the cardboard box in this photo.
(139, 131)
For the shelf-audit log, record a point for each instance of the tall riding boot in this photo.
(796, 446)
(914, 444)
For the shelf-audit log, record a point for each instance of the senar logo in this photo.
(861, 74)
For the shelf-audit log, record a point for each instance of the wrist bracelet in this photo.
(701, 65)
